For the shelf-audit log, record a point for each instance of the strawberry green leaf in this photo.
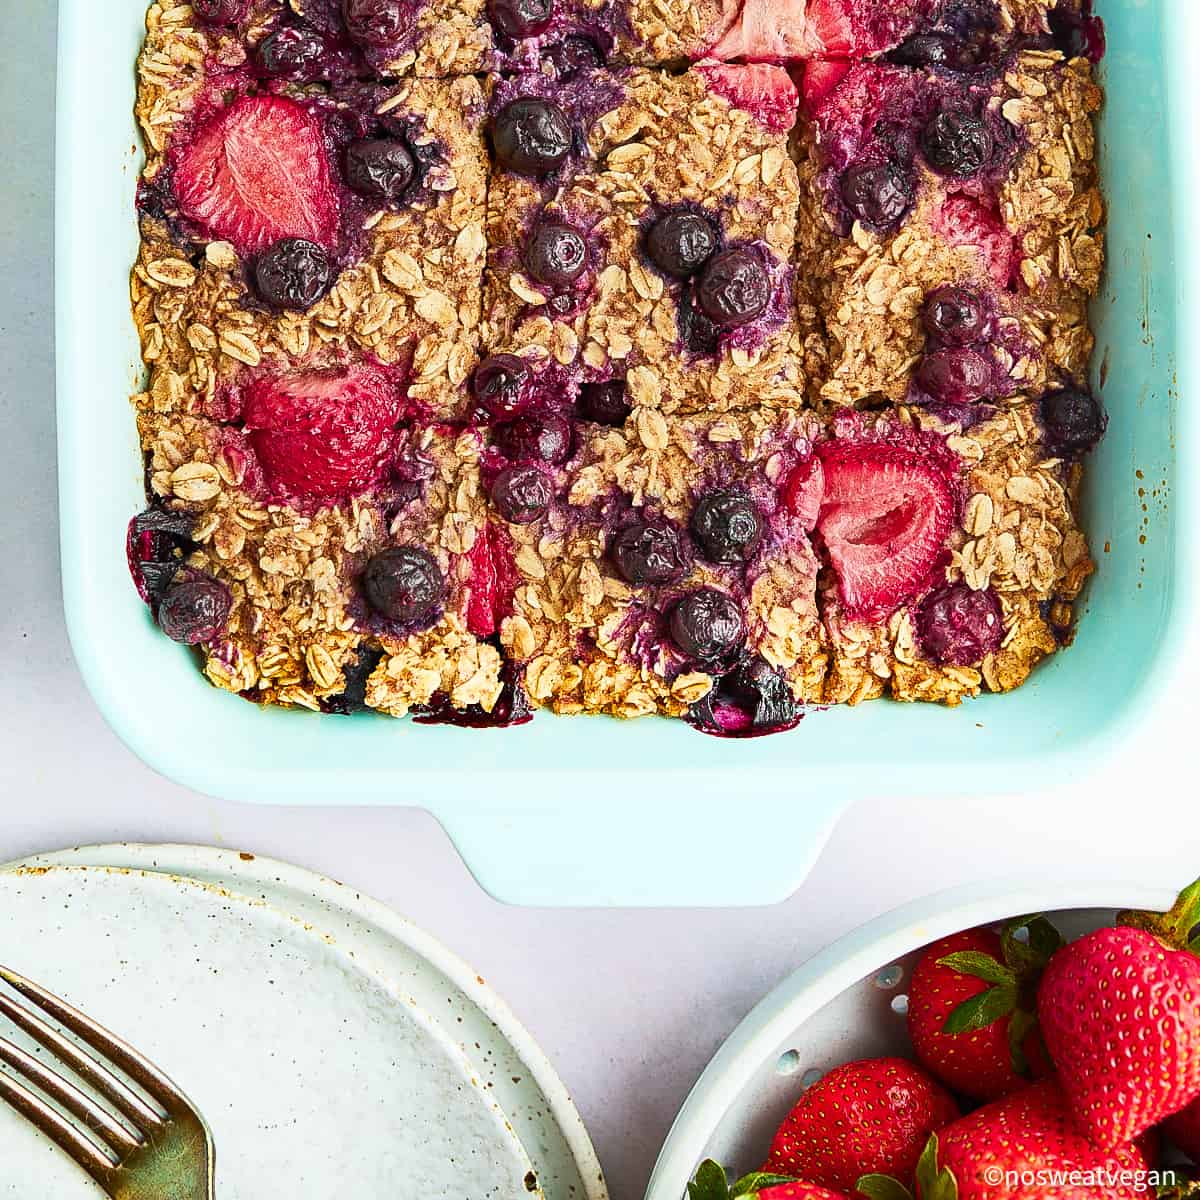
(1179, 927)
(882, 1187)
(934, 1182)
(983, 1010)
(1020, 1024)
(1030, 955)
(758, 1181)
(711, 1182)
(981, 966)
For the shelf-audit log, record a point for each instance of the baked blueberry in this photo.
(522, 494)
(879, 195)
(556, 253)
(707, 625)
(956, 316)
(605, 403)
(957, 144)
(292, 274)
(573, 54)
(531, 136)
(294, 52)
(751, 699)
(930, 50)
(220, 12)
(727, 527)
(650, 552)
(956, 376)
(1074, 421)
(380, 168)
(195, 609)
(546, 438)
(697, 333)
(376, 22)
(680, 243)
(521, 18)
(734, 287)
(404, 584)
(500, 384)
(959, 627)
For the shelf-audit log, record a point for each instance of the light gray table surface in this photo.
(629, 1005)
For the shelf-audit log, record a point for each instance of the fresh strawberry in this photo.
(965, 221)
(494, 580)
(767, 93)
(821, 79)
(711, 1183)
(1120, 1011)
(258, 172)
(874, 1115)
(972, 1008)
(887, 512)
(1024, 1147)
(325, 435)
(804, 489)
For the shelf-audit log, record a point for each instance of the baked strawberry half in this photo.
(821, 80)
(965, 221)
(259, 172)
(804, 490)
(766, 92)
(325, 435)
(886, 514)
(494, 579)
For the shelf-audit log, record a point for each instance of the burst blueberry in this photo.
(878, 195)
(650, 552)
(220, 12)
(376, 23)
(546, 438)
(404, 584)
(522, 495)
(727, 526)
(195, 609)
(958, 376)
(606, 403)
(734, 288)
(572, 55)
(957, 316)
(531, 136)
(958, 144)
(519, 19)
(706, 625)
(293, 274)
(295, 53)
(500, 385)
(380, 169)
(680, 243)
(960, 627)
(925, 50)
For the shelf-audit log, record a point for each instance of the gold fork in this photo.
(136, 1151)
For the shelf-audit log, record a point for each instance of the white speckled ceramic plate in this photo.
(335, 1049)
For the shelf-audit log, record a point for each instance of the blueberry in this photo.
(556, 254)
(292, 274)
(380, 168)
(650, 552)
(545, 438)
(156, 543)
(1075, 35)
(404, 584)
(698, 334)
(727, 527)
(681, 243)
(573, 54)
(293, 52)
(955, 376)
(353, 696)
(1074, 421)
(707, 625)
(760, 697)
(734, 287)
(375, 22)
(531, 136)
(500, 384)
(879, 196)
(958, 145)
(605, 403)
(959, 627)
(931, 50)
(220, 12)
(522, 494)
(957, 316)
(195, 609)
(521, 18)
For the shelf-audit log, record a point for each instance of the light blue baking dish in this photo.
(597, 811)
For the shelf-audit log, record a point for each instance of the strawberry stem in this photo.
(1175, 927)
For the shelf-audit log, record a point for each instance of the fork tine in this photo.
(119, 1094)
(60, 1131)
(79, 1105)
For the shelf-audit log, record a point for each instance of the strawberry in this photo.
(1120, 1011)
(965, 221)
(804, 489)
(768, 93)
(972, 1008)
(874, 1115)
(259, 172)
(887, 512)
(494, 580)
(768, 31)
(324, 435)
(711, 1183)
(1023, 1147)
(821, 80)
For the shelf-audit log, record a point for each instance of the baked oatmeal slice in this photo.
(359, 596)
(954, 550)
(278, 226)
(979, 192)
(648, 234)
(664, 568)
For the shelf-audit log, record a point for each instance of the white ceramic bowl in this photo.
(843, 1005)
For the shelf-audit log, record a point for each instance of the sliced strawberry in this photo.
(768, 31)
(821, 79)
(258, 172)
(494, 580)
(963, 220)
(803, 491)
(766, 92)
(886, 514)
(325, 435)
